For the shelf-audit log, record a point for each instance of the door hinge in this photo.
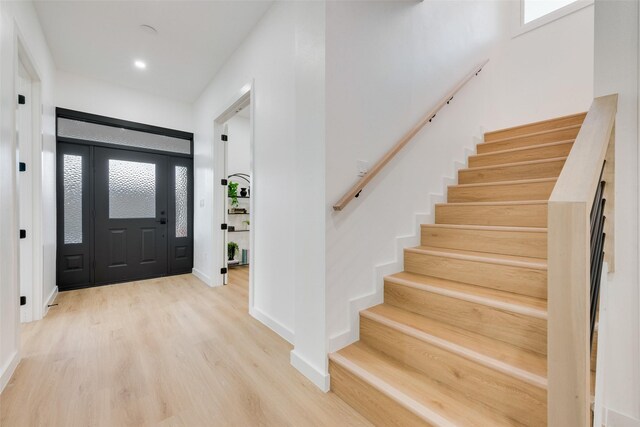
(23, 234)
(22, 100)
(22, 167)
(224, 137)
(223, 270)
(23, 300)
(223, 226)
(223, 182)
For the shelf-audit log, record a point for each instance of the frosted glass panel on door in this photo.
(72, 198)
(132, 189)
(182, 207)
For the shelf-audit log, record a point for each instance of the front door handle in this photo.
(162, 220)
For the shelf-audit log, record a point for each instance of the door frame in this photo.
(244, 96)
(34, 165)
(119, 123)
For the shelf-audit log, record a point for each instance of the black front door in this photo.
(131, 215)
(125, 200)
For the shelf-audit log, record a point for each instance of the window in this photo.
(534, 9)
(536, 13)
(87, 131)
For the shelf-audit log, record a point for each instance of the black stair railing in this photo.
(597, 250)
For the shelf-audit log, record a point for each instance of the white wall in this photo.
(617, 43)
(89, 95)
(272, 69)
(546, 72)
(18, 19)
(309, 354)
(284, 58)
(238, 151)
(388, 63)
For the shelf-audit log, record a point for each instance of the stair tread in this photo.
(552, 123)
(524, 364)
(514, 182)
(486, 227)
(433, 402)
(518, 149)
(509, 301)
(523, 163)
(497, 202)
(521, 261)
(527, 135)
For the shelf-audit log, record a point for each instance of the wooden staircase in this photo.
(461, 338)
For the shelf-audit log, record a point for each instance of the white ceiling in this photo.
(101, 39)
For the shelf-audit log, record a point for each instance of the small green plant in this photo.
(233, 193)
(232, 247)
(246, 222)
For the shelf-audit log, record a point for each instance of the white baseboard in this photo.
(203, 277)
(616, 419)
(352, 333)
(317, 377)
(272, 324)
(50, 299)
(8, 369)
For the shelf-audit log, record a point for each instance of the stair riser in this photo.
(527, 141)
(530, 215)
(518, 243)
(513, 328)
(516, 279)
(369, 401)
(550, 169)
(501, 192)
(533, 153)
(561, 122)
(510, 396)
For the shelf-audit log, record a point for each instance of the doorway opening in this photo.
(125, 201)
(238, 197)
(234, 167)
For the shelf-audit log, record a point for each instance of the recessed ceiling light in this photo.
(140, 64)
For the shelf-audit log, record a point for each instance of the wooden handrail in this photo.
(569, 253)
(380, 164)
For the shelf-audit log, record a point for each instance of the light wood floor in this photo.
(162, 352)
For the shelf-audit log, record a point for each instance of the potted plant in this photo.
(232, 247)
(233, 193)
(246, 222)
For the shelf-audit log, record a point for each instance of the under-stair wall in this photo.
(385, 68)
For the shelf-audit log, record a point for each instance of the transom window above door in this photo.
(113, 134)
